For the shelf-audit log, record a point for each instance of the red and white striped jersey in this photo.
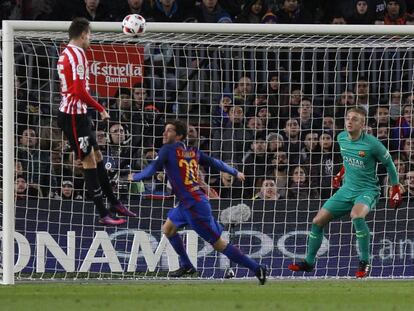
(73, 73)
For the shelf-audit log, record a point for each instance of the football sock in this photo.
(235, 255)
(105, 184)
(95, 192)
(314, 243)
(178, 245)
(363, 237)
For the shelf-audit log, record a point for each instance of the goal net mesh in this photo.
(270, 105)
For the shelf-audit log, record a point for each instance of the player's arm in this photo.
(384, 157)
(79, 87)
(152, 168)
(206, 160)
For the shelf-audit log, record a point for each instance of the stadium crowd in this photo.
(281, 136)
(388, 12)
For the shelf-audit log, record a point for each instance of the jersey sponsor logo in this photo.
(362, 154)
(354, 162)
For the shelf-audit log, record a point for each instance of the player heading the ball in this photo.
(359, 193)
(73, 73)
(180, 163)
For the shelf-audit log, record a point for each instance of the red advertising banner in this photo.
(114, 66)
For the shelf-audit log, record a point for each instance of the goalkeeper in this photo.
(359, 193)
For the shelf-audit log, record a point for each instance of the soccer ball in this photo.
(133, 25)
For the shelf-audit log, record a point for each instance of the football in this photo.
(133, 25)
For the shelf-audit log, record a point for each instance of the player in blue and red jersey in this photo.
(180, 163)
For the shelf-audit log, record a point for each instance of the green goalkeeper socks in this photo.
(363, 237)
(314, 243)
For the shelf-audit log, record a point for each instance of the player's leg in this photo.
(202, 221)
(236, 255)
(337, 206)
(315, 237)
(363, 204)
(116, 205)
(174, 221)
(82, 139)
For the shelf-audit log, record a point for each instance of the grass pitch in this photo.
(300, 295)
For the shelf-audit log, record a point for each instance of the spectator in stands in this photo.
(291, 134)
(221, 111)
(255, 163)
(363, 97)
(25, 191)
(362, 14)
(153, 126)
(101, 139)
(264, 115)
(28, 107)
(94, 10)
(127, 7)
(307, 120)
(254, 125)
(227, 186)
(379, 9)
(229, 142)
(401, 164)
(196, 140)
(404, 127)
(121, 108)
(277, 97)
(268, 191)
(291, 109)
(346, 100)
(35, 161)
(119, 149)
(67, 192)
(338, 20)
(409, 183)
(139, 97)
(395, 104)
(328, 123)
(44, 9)
(269, 18)
(244, 91)
(381, 117)
(210, 11)
(299, 185)
(275, 142)
(259, 101)
(310, 152)
(170, 11)
(253, 12)
(383, 135)
(278, 168)
(408, 151)
(292, 13)
(395, 13)
(328, 166)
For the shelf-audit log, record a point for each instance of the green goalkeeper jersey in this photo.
(360, 159)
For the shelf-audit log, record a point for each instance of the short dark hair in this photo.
(77, 27)
(359, 110)
(180, 127)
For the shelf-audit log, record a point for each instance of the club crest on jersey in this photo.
(80, 70)
(362, 154)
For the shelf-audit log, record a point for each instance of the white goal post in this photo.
(303, 38)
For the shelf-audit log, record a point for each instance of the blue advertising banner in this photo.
(64, 236)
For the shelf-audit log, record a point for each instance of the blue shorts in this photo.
(200, 218)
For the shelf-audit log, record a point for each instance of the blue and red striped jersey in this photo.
(181, 167)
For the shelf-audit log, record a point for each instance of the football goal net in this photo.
(267, 99)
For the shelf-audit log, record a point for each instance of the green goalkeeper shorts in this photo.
(344, 200)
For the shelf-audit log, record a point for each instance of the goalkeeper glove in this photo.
(395, 196)
(337, 179)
